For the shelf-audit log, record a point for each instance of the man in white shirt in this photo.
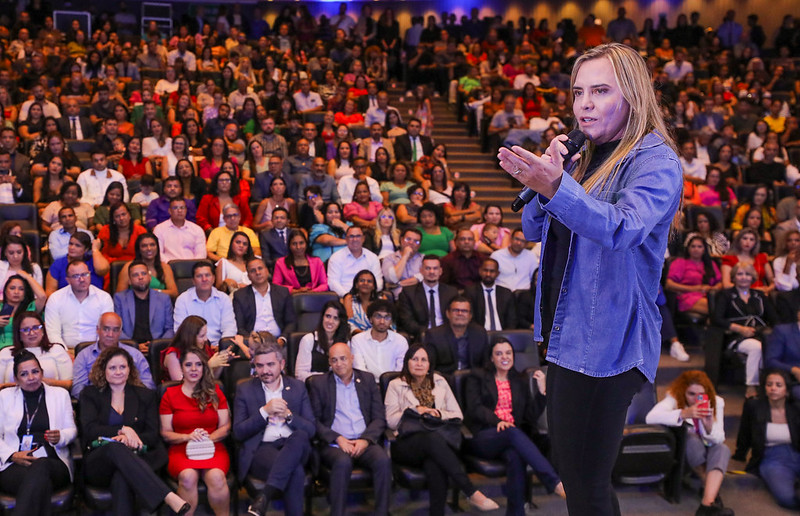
(187, 241)
(679, 66)
(344, 264)
(94, 181)
(189, 59)
(72, 312)
(694, 170)
(379, 349)
(343, 20)
(207, 302)
(243, 92)
(307, 101)
(49, 108)
(347, 184)
(529, 76)
(402, 267)
(377, 114)
(518, 264)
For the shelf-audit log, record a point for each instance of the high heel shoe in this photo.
(184, 509)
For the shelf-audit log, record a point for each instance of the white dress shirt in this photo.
(378, 356)
(437, 305)
(276, 428)
(94, 184)
(516, 272)
(265, 319)
(217, 310)
(343, 267)
(487, 321)
(75, 121)
(347, 187)
(69, 321)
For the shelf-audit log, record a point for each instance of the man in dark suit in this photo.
(316, 145)
(783, 351)
(252, 311)
(418, 302)
(74, 126)
(275, 241)
(370, 100)
(146, 313)
(411, 147)
(350, 419)
(492, 305)
(274, 422)
(459, 343)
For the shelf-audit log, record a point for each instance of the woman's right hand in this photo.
(4, 320)
(23, 458)
(198, 435)
(220, 359)
(696, 412)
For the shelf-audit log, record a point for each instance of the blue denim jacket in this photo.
(606, 320)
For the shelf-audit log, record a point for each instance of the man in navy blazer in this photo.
(783, 351)
(245, 308)
(351, 419)
(274, 422)
(275, 241)
(459, 343)
(154, 307)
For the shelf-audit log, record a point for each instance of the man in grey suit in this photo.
(146, 313)
(273, 420)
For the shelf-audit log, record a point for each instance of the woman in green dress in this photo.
(436, 238)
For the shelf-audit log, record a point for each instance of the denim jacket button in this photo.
(563, 291)
(556, 328)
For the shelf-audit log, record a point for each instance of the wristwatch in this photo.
(289, 418)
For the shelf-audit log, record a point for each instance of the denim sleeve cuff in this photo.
(564, 198)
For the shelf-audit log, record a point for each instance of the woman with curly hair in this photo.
(161, 276)
(117, 407)
(195, 412)
(691, 399)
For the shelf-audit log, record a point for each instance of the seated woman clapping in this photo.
(691, 399)
(36, 428)
(194, 421)
(427, 393)
(119, 427)
(500, 413)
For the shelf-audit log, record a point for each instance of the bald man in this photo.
(350, 420)
(109, 328)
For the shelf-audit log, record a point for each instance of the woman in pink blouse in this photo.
(362, 212)
(693, 277)
(716, 192)
(298, 271)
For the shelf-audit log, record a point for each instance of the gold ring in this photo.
(517, 171)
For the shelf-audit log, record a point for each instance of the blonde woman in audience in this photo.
(386, 238)
(785, 265)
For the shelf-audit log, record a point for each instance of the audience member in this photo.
(207, 302)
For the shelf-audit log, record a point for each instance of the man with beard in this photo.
(274, 423)
(146, 313)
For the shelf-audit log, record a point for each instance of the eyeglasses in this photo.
(178, 208)
(231, 215)
(389, 217)
(29, 329)
(312, 197)
(382, 317)
(79, 275)
(224, 180)
(409, 240)
(355, 237)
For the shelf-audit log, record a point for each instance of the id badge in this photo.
(40, 452)
(27, 443)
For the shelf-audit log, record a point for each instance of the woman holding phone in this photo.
(691, 399)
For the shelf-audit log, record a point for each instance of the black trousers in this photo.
(128, 475)
(281, 463)
(586, 417)
(33, 485)
(341, 464)
(440, 462)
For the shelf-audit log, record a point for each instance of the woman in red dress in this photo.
(196, 411)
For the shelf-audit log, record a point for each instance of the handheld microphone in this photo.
(573, 144)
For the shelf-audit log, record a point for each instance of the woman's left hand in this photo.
(540, 174)
(130, 438)
(541, 381)
(504, 425)
(52, 436)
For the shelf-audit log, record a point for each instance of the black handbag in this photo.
(412, 423)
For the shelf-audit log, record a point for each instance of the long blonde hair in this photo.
(644, 113)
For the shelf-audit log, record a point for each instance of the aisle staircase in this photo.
(489, 183)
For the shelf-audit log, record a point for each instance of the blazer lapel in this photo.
(152, 308)
(131, 308)
(131, 414)
(331, 397)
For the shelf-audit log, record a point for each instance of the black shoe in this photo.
(713, 510)
(259, 506)
(184, 509)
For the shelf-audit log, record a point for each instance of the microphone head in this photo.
(574, 143)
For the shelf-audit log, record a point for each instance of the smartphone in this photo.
(6, 310)
(703, 401)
